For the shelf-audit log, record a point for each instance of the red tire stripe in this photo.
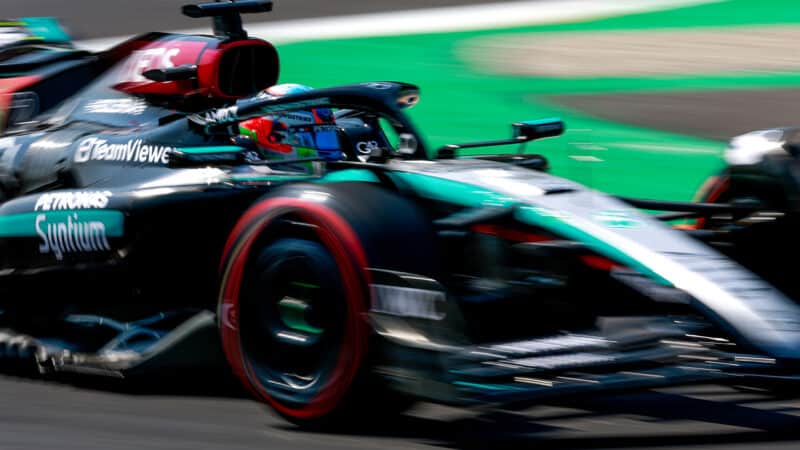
(343, 243)
(720, 185)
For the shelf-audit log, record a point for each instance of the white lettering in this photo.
(407, 302)
(132, 151)
(223, 115)
(84, 150)
(73, 236)
(143, 60)
(72, 200)
(366, 147)
(132, 106)
(44, 247)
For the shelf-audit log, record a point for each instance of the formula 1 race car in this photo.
(142, 234)
(37, 60)
(761, 185)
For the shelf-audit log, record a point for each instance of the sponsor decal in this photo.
(72, 200)
(151, 58)
(616, 219)
(131, 106)
(367, 147)
(223, 115)
(134, 150)
(230, 315)
(73, 235)
(407, 302)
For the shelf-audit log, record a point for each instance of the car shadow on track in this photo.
(573, 425)
(709, 415)
(208, 382)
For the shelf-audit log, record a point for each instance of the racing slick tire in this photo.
(721, 189)
(295, 293)
(763, 242)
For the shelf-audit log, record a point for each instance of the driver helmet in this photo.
(295, 134)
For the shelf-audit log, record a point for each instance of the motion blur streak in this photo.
(476, 85)
(457, 18)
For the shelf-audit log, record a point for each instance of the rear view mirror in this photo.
(538, 129)
(523, 132)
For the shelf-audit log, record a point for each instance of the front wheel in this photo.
(300, 328)
(294, 297)
(292, 311)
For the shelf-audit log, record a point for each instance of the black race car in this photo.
(141, 233)
(761, 189)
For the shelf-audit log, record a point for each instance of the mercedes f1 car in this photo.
(140, 234)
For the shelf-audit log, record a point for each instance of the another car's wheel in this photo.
(724, 188)
(294, 297)
(716, 189)
(763, 240)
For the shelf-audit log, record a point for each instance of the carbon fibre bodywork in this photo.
(124, 205)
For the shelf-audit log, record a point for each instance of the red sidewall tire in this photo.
(336, 235)
(711, 191)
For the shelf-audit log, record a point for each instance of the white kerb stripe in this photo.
(436, 20)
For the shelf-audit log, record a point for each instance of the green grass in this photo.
(460, 103)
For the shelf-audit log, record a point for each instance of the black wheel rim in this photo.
(292, 324)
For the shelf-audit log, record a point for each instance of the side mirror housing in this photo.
(538, 129)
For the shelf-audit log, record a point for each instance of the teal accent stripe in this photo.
(454, 191)
(24, 224)
(211, 149)
(350, 175)
(46, 28)
(475, 196)
(488, 387)
(542, 121)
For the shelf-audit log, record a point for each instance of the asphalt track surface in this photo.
(708, 114)
(87, 19)
(57, 415)
(37, 414)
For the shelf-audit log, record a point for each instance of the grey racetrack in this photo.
(59, 415)
(87, 19)
(38, 414)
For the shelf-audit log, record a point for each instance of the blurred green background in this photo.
(462, 101)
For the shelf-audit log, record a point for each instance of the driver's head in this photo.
(293, 134)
